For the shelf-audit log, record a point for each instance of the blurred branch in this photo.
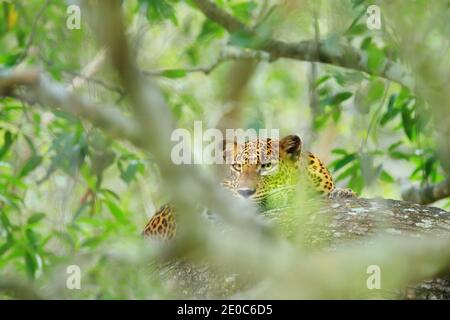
(80, 79)
(341, 273)
(313, 94)
(87, 74)
(226, 55)
(9, 81)
(19, 290)
(428, 194)
(54, 95)
(238, 77)
(331, 274)
(150, 129)
(49, 93)
(89, 70)
(152, 114)
(341, 55)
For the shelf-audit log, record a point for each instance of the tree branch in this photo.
(287, 265)
(428, 194)
(153, 116)
(33, 32)
(10, 80)
(89, 70)
(54, 95)
(150, 129)
(19, 290)
(228, 54)
(341, 55)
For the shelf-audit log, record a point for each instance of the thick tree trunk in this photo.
(339, 222)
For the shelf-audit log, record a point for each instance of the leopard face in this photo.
(264, 167)
(266, 172)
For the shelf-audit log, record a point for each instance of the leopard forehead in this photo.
(257, 151)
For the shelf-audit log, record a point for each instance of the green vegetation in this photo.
(77, 185)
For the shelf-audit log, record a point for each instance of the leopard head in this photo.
(263, 167)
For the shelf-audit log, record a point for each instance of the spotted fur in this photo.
(318, 174)
(162, 224)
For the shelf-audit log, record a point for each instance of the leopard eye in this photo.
(237, 167)
(266, 165)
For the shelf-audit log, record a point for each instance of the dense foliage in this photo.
(69, 193)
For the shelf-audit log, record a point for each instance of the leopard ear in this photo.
(291, 146)
(229, 149)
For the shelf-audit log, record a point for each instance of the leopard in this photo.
(265, 172)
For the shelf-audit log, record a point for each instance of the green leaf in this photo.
(110, 194)
(357, 3)
(366, 43)
(9, 60)
(375, 60)
(348, 172)
(321, 80)
(386, 177)
(429, 166)
(408, 122)
(65, 237)
(356, 29)
(336, 114)
(5, 247)
(8, 140)
(159, 10)
(376, 90)
(394, 146)
(130, 172)
(399, 155)
(32, 238)
(91, 242)
(116, 212)
(243, 10)
(174, 73)
(5, 220)
(356, 183)
(340, 97)
(391, 111)
(210, 30)
(30, 264)
(35, 218)
(340, 163)
(242, 39)
(339, 151)
(389, 115)
(30, 165)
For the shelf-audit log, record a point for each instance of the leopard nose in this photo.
(246, 192)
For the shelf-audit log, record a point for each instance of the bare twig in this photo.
(33, 32)
(111, 87)
(227, 54)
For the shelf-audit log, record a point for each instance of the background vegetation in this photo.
(75, 189)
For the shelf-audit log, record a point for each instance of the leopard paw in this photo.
(342, 193)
